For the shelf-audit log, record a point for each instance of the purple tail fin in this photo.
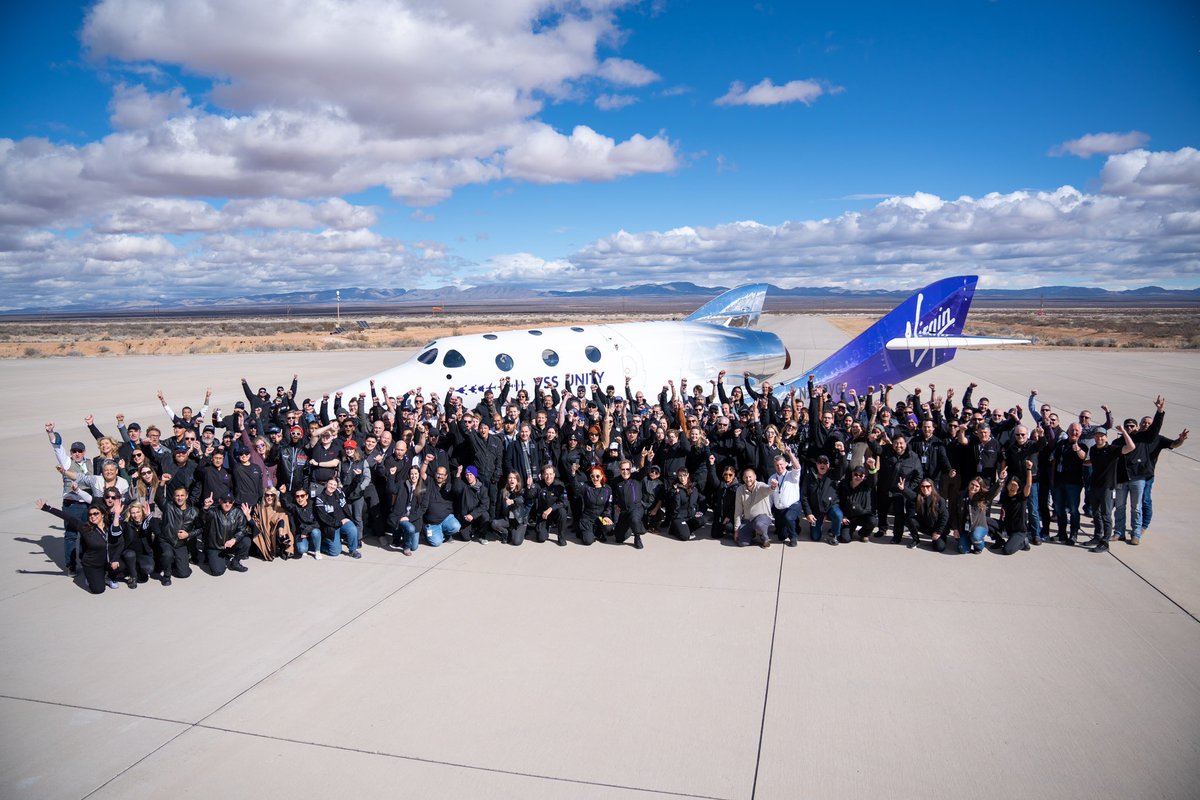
(940, 309)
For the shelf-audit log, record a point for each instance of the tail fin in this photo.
(917, 335)
(737, 308)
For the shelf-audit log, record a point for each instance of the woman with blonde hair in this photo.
(273, 536)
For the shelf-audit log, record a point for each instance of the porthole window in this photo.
(593, 354)
(491, 337)
(428, 357)
(453, 359)
(577, 330)
(550, 357)
(504, 362)
(535, 333)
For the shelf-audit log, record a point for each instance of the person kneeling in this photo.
(226, 534)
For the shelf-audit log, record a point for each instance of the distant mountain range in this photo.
(669, 296)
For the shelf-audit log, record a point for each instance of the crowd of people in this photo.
(282, 479)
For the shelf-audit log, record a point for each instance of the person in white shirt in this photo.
(785, 496)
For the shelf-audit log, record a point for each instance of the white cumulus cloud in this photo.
(766, 93)
(1102, 144)
(549, 157)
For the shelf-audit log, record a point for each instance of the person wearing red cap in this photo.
(355, 477)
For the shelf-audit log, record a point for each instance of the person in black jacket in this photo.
(722, 496)
(549, 507)
(226, 534)
(684, 512)
(408, 510)
(1104, 459)
(595, 508)
(472, 506)
(931, 515)
(98, 555)
(819, 500)
(512, 516)
(856, 499)
(179, 531)
(305, 526)
(140, 531)
(1134, 470)
(333, 515)
(1156, 446)
(899, 475)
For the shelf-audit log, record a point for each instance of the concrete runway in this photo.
(683, 670)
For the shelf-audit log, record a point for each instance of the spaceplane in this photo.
(922, 332)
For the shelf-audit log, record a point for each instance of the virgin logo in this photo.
(934, 327)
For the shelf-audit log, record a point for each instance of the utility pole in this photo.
(338, 297)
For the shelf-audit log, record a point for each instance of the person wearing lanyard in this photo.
(785, 497)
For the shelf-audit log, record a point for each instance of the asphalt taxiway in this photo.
(682, 670)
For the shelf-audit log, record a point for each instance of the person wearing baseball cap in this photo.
(226, 535)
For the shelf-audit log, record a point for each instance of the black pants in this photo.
(630, 522)
(589, 527)
(902, 518)
(478, 527)
(95, 577)
(862, 525)
(721, 527)
(174, 560)
(510, 531)
(137, 565)
(216, 558)
(683, 529)
(557, 520)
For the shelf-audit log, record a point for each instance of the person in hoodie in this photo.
(472, 504)
(333, 515)
(856, 499)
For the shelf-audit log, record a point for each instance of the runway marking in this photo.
(770, 658)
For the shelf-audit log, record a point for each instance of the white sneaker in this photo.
(319, 556)
(111, 583)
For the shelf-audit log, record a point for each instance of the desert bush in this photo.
(31, 352)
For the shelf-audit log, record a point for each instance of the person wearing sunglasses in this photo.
(931, 515)
(226, 534)
(97, 557)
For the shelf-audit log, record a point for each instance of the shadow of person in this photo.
(52, 549)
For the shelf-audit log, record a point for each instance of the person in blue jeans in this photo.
(408, 510)
(978, 503)
(333, 516)
(440, 523)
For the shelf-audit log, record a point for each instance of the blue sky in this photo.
(210, 148)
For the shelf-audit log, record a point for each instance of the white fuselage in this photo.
(649, 353)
